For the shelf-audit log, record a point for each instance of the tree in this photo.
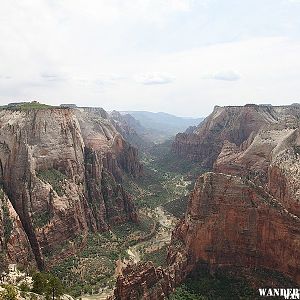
(39, 283)
(54, 287)
(48, 285)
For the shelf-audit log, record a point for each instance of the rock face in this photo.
(14, 244)
(259, 142)
(236, 124)
(61, 169)
(231, 221)
(145, 281)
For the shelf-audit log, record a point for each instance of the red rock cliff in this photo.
(60, 168)
(231, 221)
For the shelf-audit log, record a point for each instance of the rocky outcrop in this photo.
(255, 141)
(245, 214)
(61, 170)
(231, 221)
(270, 159)
(235, 124)
(145, 281)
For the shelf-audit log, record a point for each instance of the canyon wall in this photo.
(61, 170)
(232, 221)
(235, 124)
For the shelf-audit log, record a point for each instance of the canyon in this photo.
(70, 175)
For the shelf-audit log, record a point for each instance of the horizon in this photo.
(148, 111)
(178, 56)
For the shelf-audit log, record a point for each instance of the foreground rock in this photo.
(61, 171)
(231, 221)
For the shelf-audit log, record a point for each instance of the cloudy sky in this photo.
(177, 56)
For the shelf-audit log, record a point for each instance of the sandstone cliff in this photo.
(231, 221)
(235, 124)
(61, 170)
(14, 244)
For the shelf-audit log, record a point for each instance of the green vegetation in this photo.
(26, 106)
(229, 283)
(222, 285)
(53, 177)
(177, 207)
(7, 222)
(48, 285)
(41, 219)
(10, 293)
(93, 268)
(158, 257)
(166, 179)
(296, 149)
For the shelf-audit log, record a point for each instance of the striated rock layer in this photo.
(231, 221)
(61, 169)
(236, 124)
(256, 141)
(145, 281)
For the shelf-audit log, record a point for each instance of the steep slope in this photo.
(231, 221)
(14, 244)
(60, 168)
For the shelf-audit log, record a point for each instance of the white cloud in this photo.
(224, 75)
(153, 78)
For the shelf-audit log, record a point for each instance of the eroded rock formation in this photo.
(61, 170)
(236, 124)
(232, 221)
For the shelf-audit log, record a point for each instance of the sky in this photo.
(177, 56)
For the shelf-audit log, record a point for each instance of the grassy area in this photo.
(202, 285)
(53, 177)
(166, 179)
(93, 268)
(25, 106)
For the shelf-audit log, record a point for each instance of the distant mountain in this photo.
(161, 126)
